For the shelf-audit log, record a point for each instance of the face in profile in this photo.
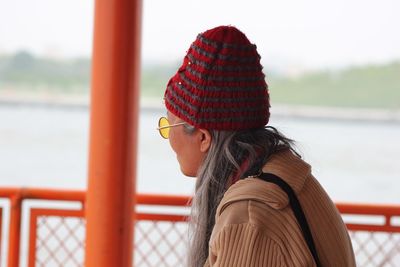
(190, 146)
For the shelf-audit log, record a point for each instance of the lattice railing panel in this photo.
(60, 241)
(376, 249)
(160, 243)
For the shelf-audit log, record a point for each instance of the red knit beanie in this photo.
(220, 85)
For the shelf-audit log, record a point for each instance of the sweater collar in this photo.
(292, 169)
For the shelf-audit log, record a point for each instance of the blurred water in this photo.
(48, 147)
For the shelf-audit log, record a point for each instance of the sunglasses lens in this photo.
(163, 122)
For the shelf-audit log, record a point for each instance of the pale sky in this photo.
(288, 33)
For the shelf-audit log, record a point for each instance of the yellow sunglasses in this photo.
(163, 126)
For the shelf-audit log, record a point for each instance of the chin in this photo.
(188, 173)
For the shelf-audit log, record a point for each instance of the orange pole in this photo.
(14, 231)
(113, 133)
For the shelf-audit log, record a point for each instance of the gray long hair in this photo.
(227, 152)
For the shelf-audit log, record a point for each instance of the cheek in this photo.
(190, 160)
(188, 156)
(176, 143)
(172, 141)
(197, 160)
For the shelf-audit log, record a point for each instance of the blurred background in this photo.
(333, 69)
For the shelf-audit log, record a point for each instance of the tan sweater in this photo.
(255, 225)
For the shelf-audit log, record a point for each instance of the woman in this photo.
(256, 202)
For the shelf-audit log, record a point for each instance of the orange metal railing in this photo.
(57, 235)
(16, 196)
(387, 212)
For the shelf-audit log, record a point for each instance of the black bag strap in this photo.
(298, 211)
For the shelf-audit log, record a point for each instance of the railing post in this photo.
(14, 230)
(32, 238)
(113, 133)
(1, 229)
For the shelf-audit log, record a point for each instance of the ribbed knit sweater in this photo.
(255, 225)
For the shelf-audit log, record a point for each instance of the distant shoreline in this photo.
(277, 111)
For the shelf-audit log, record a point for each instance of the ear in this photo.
(205, 140)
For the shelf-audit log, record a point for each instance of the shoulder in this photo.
(253, 204)
(258, 213)
(269, 232)
(252, 190)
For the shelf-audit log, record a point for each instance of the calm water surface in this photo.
(48, 147)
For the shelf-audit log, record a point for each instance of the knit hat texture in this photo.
(220, 85)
